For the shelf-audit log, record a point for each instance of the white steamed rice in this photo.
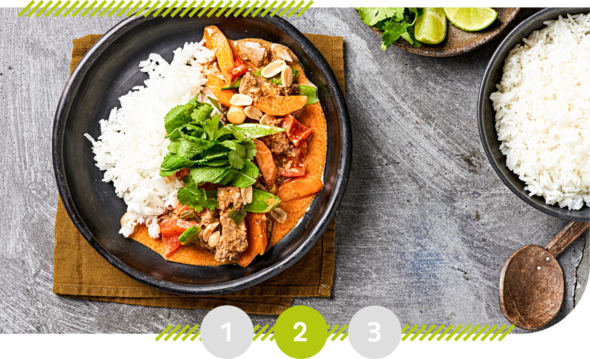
(133, 140)
(543, 112)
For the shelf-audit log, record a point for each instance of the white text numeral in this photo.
(299, 337)
(227, 326)
(375, 331)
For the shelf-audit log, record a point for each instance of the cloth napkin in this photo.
(80, 272)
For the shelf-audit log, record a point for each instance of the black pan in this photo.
(486, 114)
(108, 71)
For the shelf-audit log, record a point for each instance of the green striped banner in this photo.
(410, 333)
(165, 8)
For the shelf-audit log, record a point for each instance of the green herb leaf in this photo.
(189, 235)
(174, 119)
(208, 174)
(201, 112)
(391, 32)
(189, 147)
(309, 91)
(237, 216)
(194, 197)
(372, 15)
(173, 163)
(253, 130)
(243, 178)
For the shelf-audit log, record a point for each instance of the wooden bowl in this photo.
(459, 41)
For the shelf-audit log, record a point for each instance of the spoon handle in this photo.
(567, 235)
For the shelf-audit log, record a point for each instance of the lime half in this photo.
(431, 27)
(471, 18)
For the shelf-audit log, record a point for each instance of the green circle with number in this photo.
(301, 332)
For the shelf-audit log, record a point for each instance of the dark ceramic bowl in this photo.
(108, 71)
(486, 114)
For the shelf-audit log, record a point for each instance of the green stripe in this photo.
(35, 9)
(98, 8)
(79, 9)
(45, 8)
(436, 332)
(259, 8)
(340, 332)
(133, 9)
(190, 332)
(498, 332)
(206, 8)
(287, 8)
(170, 8)
(268, 8)
(453, 332)
(278, 8)
(160, 9)
(269, 332)
(195, 336)
(409, 332)
(471, 332)
(172, 332)
(89, 8)
(22, 12)
(427, 332)
(215, 8)
(481, 331)
(444, 333)
(152, 8)
(242, 8)
(188, 8)
(305, 8)
(489, 332)
(233, 8)
(106, 8)
(62, 9)
(196, 9)
(422, 328)
(296, 8)
(53, 8)
(180, 332)
(123, 10)
(163, 332)
(143, 8)
(259, 332)
(462, 332)
(178, 9)
(506, 333)
(116, 8)
(225, 7)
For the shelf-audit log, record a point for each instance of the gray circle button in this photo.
(227, 332)
(374, 332)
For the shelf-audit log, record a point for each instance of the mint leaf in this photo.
(201, 112)
(208, 174)
(174, 119)
(372, 15)
(189, 147)
(243, 178)
(173, 163)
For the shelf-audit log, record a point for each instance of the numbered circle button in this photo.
(226, 332)
(374, 332)
(301, 332)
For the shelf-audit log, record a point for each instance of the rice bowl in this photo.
(542, 112)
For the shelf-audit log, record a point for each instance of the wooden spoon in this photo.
(531, 284)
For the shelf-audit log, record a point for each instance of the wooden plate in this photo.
(458, 41)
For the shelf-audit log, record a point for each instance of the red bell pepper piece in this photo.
(296, 132)
(239, 69)
(295, 168)
(170, 231)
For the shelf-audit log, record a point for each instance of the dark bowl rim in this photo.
(480, 118)
(334, 201)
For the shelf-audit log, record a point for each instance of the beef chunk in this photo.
(254, 52)
(233, 238)
(257, 86)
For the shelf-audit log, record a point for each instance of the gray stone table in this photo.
(424, 228)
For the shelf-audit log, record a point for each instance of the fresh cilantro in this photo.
(241, 151)
(194, 197)
(393, 22)
(372, 15)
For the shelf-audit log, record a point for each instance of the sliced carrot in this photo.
(298, 188)
(216, 41)
(266, 163)
(215, 84)
(280, 105)
(257, 240)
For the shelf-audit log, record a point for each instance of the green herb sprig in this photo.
(213, 152)
(393, 22)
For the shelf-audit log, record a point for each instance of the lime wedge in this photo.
(471, 18)
(431, 26)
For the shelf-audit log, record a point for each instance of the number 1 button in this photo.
(226, 332)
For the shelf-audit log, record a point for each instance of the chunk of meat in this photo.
(271, 120)
(233, 238)
(257, 86)
(278, 143)
(254, 52)
(280, 52)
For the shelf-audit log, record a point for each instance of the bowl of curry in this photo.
(259, 158)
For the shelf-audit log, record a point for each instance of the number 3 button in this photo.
(226, 332)
(374, 332)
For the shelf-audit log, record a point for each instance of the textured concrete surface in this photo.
(424, 228)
